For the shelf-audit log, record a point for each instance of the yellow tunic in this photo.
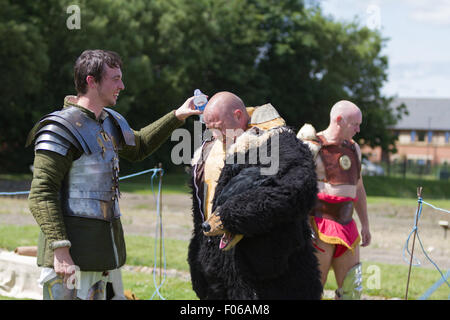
(213, 167)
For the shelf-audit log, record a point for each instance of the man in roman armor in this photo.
(341, 189)
(75, 188)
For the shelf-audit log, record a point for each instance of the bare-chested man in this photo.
(341, 188)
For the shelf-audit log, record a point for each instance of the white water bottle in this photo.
(200, 101)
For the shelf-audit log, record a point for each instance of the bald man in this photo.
(253, 186)
(341, 189)
(226, 116)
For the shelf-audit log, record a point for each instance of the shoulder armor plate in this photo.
(127, 133)
(56, 128)
(76, 127)
(53, 137)
(66, 120)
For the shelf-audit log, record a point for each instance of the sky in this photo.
(418, 48)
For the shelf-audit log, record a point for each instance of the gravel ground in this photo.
(390, 225)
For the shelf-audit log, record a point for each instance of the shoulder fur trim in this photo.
(313, 147)
(254, 138)
(307, 132)
(308, 135)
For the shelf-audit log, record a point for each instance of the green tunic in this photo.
(96, 245)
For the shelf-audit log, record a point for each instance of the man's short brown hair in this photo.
(91, 63)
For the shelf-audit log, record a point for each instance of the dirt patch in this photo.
(19, 185)
(139, 215)
(389, 225)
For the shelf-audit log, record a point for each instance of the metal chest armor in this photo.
(341, 162)
(91, 187)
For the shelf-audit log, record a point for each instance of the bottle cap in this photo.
(200, 100)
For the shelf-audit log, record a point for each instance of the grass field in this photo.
(386, 187)
(441, 203)
(172, 183)
(379, 279)
(378, 186)
(406, 188)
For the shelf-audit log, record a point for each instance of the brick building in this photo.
(423, 136)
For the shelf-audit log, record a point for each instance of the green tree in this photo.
(320, 61)
(24, 62)
(284, 52)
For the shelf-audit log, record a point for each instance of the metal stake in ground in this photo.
(160, 225)
(159, 230)
(419, 196)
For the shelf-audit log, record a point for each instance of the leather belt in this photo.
(341, 212)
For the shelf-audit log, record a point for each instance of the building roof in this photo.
(424, 114)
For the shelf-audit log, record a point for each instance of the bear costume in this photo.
(251, 238)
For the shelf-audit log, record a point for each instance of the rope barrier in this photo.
(415, 231)
(155, 171)
(436, 208)
(13, 193)
(435, 286)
